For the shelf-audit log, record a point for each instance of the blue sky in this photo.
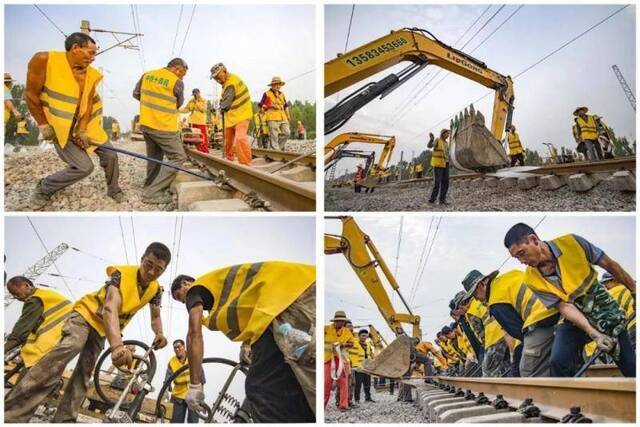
(256, 42)
(545, 97)
(462, 243)
(206, 243)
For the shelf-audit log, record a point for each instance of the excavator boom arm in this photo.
(414, 46)
(344, 139)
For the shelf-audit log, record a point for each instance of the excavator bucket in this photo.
(393, 361)
(473, 147)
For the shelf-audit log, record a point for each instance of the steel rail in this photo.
(285, 156)
(603, 400)
(281, 193)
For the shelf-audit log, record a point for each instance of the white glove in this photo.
(47, 132)
(195, 397)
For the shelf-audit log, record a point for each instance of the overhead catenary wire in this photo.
(124, 244)
(88, 254)
(346, 43)
(527, 69)
(50, 20)
(136, 29)
(175, 37)
(193, 11)
(426, 261)
(35, 230)
(424, 248)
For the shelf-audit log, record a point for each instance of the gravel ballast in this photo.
(385, 409)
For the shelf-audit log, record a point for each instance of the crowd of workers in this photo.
(248, 303)
(62, 97)
(547, 321)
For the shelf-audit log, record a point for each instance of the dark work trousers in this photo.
(515, 362)
(180, 409)
(362, 380)
(567, 347)
(440, 184)
(271, 387)
(392, 385)
(517, 158)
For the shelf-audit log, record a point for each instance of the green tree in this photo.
(532, 158)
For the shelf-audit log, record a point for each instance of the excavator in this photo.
(336, 150)
(473, 147)
(394, 360)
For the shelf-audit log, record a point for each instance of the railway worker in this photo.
(9, 107)
(626, 301)
(22, 134)
(39, 326)
(418, 169)
(604, 138)
(560, 272)
(586, 132)
(278, 116)
(423, 348)
(516, 152)
(497, 355)
(440, 165)
(103, 313)
(349, 355)
(261, 127)
(63, 99)
(161, 93)
(451, 357)
(361, 350)
(249, 303)
(411, 171)
(237, 111)
(470, 315)
(197, 109)
(180, 385)
(115, 130)
(336, 338)
(301, 131)
(359, 176)
(520, 313)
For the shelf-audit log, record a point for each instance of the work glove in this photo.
(159, 342)
(121, 356)
(604, 342)
(47, 132)
(166, 397)
(82, 139)
(195, 398)
(245, 355)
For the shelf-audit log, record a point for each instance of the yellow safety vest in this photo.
(333, 336)
(115, 127)
(464, 344)
(22, 128)
(577, 275)
(476, 309)
(587, 128)
(426, 347)
(241, 108)
(158, 108)
(357, 353)
(418, 167)
(278, 103)
(91, 306)
(247, 297)
(438, 155)
(181, 382)
(217, 121)
(625, 300)
(451, 354)
(61, 101)
(7, 113)
(515, 146)
(508, 288)
(197, 117)
(261, 124)
(493, 332)
(56, 309)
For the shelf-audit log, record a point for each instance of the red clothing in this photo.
(235, 139)
(204, 146)
(343, 385)
(359, 174)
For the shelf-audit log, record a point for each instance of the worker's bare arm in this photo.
(618, 272)
(571, 313)
(156, 319)
(112, 306)
(36, 76)
(195, 345)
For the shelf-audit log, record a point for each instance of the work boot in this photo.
(39, 199)
(370, 400)
(431, 201)
(444, 202)
(159, 200)
(118, 197)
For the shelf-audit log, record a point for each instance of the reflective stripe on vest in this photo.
(241, 108)
(158, 108)
(56, 309)
(625, 300)
(91, 306)
(247, 297)
(438, 155)
(181, 382)
(60, 99)
(577, 275)
(278, 103)
(515, 147)
(587, 128)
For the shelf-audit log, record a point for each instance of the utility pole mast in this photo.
(85, 27)
(625, 87)
(37, 269)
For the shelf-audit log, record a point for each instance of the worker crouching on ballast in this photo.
(271, 307)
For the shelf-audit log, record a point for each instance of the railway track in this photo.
(275, 181)
(580, 176)
(525, 400)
